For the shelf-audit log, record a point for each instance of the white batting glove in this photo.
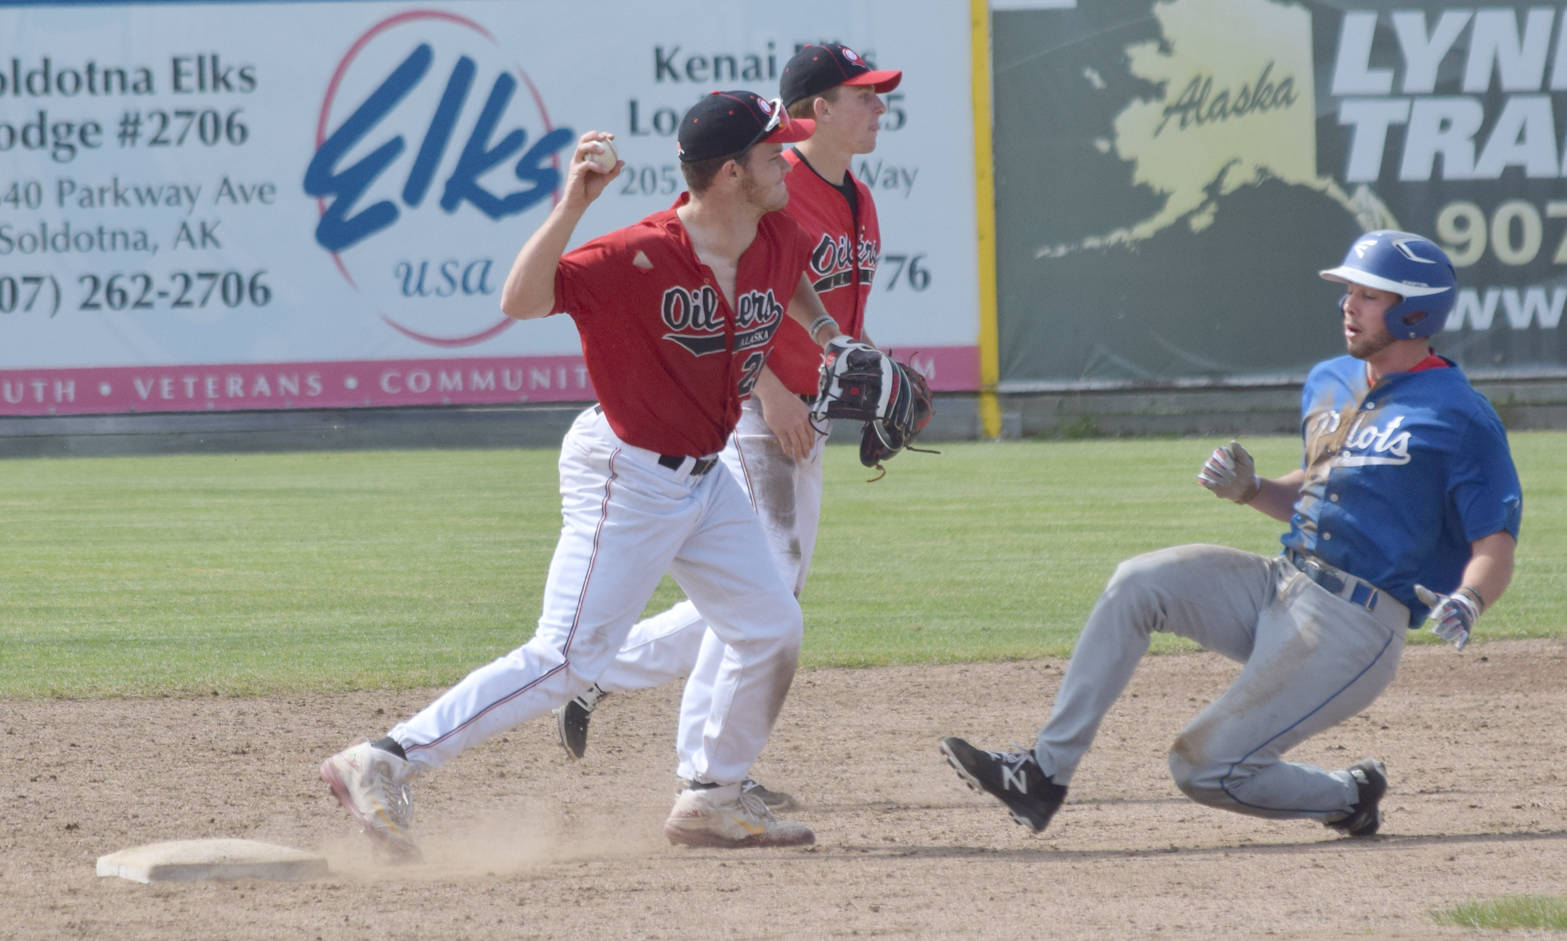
(1231, 473)
(1452, 616)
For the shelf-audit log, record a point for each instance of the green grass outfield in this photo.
(1509, 913)
(250, 573)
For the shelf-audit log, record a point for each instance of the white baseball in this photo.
(605, 156)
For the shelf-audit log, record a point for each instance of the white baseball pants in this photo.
(626, 521)
(675, 643)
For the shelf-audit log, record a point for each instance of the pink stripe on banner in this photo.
(116, 390)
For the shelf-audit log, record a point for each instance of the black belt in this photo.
(702, 465)
(1337, 581)
(673, 461)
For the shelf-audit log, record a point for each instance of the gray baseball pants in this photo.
(1311, 660)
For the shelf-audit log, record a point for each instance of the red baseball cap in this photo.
(820, 66)
(727, 123)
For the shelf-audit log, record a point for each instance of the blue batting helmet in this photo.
(1409, 265)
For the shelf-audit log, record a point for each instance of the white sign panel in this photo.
(297, 205)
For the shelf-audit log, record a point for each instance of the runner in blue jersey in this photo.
(1405, 508)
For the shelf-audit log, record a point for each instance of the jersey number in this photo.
(749, 371)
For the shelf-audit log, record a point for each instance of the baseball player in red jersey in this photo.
(677, 314)
(775, 451)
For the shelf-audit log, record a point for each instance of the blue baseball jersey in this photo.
(1422, 471)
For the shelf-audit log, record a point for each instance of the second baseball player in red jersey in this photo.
(832, 85)
(677, 314)
(775, 451)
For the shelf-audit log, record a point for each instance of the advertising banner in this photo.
(308, 205)
(1172, 175)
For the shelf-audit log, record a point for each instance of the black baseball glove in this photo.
(858, 381)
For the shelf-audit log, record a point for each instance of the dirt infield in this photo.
(521, 843)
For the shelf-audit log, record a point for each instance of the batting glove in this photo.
(1452, 616)
(1231, 473)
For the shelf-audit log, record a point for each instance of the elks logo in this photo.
(695, 322)
(426, 123)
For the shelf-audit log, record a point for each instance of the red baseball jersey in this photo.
(843, 262)
(669, 357)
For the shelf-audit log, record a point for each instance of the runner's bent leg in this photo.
(1318, 661)
(1209, 594)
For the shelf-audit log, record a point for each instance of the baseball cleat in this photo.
(372, 785)
(1363, 819)
(726, 816)
(1014, 778)
(775, 800)
(571, 721)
